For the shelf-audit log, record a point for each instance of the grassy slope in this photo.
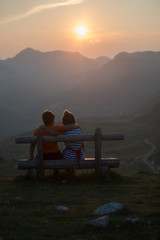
(150, 121)
(35, 217)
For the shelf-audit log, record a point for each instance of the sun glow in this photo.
(81, 30)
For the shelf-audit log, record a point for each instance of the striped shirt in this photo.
(69, 154)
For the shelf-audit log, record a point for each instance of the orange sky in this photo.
(48, 25)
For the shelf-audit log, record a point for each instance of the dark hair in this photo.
(68, 118)
(48, 116)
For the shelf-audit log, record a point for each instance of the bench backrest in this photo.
(97, 137)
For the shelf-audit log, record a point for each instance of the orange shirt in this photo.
(51, 146)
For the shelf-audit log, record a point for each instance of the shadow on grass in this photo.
(81, 177)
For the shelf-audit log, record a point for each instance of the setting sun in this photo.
(81, 30)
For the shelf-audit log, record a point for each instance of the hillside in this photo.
(125, 86)
(152, 117)
(31, 77)
(133, 185)
(29, 207)
(38, 75)
(32, 81)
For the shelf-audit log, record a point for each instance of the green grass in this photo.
(35, 217)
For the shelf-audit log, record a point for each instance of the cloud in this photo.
(41, 8)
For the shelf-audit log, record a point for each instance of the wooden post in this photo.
(98, 135)
(40, 170)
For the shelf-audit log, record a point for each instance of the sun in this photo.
(81, 30)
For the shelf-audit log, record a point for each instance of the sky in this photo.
(111, 26)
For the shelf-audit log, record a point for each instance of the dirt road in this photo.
(145, 157)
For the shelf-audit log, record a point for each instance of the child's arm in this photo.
(68, 127)
(51, 131)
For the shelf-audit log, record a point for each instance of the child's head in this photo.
(48, 117)
(68, 118)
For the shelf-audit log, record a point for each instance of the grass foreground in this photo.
(27, 207)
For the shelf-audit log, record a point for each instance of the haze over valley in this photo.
(101, 61)
(126, 86)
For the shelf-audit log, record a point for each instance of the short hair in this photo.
(68, 118)
(48, 116)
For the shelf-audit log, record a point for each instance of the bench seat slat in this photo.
(64, 164)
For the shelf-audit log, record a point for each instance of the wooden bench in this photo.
(96, 163)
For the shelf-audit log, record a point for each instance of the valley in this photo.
(120, 94)
(124, 87)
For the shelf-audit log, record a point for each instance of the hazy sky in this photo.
(47, 25)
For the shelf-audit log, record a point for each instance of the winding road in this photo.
(145, 157)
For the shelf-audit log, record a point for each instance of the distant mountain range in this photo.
(36, 75)
(28, 80)
(32, 81)
(127, 85)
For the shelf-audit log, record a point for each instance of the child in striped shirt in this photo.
(73, 150)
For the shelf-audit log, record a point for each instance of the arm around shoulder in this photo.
(51, 131)
(70, 127)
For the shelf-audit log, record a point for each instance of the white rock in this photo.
(108, 208)
(133, 220)
(99, 222)
(17, 198)
(61, 208)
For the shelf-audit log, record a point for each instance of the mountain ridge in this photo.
(124, 85)
(121, 86)
(32, 76)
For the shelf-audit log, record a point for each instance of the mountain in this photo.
(150, 118)
(31, 77)
(103, 60)
(40, 74)
(126, 85)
